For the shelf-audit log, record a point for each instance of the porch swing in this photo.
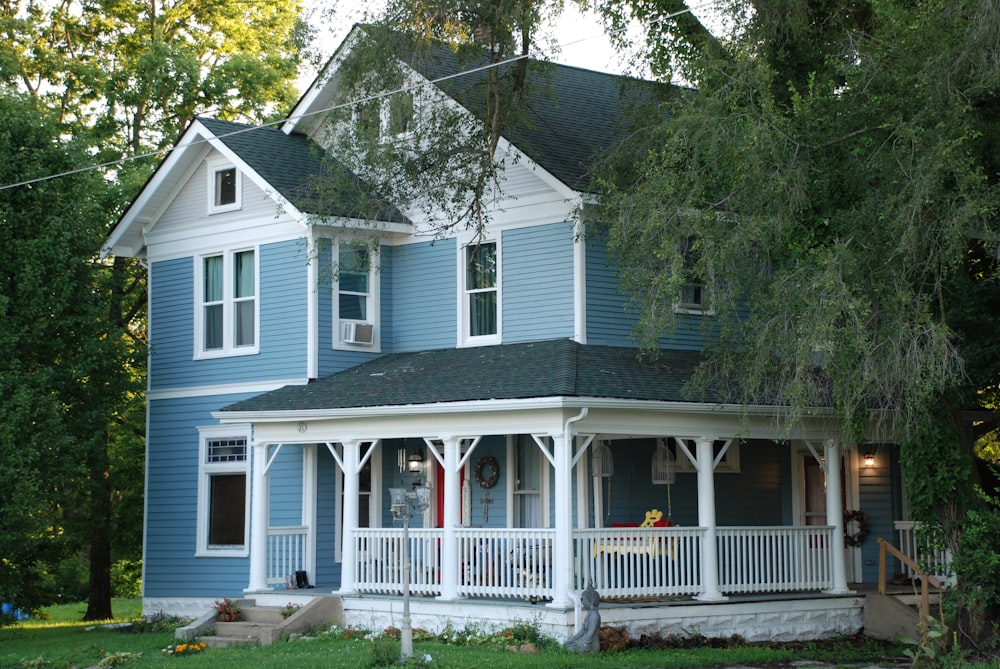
(664, 470)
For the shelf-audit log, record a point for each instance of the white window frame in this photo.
(228, 302)
(208, 469)
(729, 464)
(214, 168)
(514, 489)
(385, 109)
(372, 307)
(465, 338)
(702, 307)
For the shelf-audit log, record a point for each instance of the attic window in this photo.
(386, 118)
(224, 188)
(694, 295)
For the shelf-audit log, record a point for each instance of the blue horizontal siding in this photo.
(282, 296)
(424, 296)
(611, 317)
(881, 500)
(285, 501)
(171, 568)
(537, 282)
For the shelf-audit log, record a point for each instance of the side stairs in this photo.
(262, 625)
(886, 617)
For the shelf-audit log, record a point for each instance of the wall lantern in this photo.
(869, 459)
(415, 463)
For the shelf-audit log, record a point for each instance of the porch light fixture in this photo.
(601, 461)
(415, 463)
(869, 459)
(403, 504)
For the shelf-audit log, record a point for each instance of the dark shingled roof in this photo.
(572, 115)
(552, 368)
(290, 163)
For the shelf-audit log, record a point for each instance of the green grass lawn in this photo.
(63, 642)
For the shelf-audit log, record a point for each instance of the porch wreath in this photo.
(490, 465)
(856, 520)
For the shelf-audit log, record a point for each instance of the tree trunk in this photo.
(99, 591)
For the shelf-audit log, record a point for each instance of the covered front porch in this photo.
(551, 534)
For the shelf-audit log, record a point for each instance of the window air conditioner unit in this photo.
(357, 333)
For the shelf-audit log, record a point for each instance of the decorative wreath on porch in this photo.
(856, 520)
(487, 471)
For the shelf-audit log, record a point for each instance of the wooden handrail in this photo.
(925, 579)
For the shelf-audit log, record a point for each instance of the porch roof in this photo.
(552, 368)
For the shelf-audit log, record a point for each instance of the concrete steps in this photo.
(887, 617)
(262, 625)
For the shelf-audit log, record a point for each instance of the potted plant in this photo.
(227, 610)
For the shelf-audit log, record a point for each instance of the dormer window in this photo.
(224, 188)
(387, 118)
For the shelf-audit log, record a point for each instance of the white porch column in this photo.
(258, 520)
(452, 519)
(348, 559)
(835, 517)
(562, 549)
(706, 518)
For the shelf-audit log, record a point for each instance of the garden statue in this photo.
(588, 639)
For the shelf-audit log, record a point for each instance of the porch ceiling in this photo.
(553, 368)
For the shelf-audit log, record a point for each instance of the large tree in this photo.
(827, 175)
(51, 336)
(124, 78)
(832, 183)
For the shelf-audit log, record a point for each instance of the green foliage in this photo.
(385, 651)
(126, 578)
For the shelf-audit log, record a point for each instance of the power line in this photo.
(351, 103)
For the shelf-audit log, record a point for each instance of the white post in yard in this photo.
(706, 518)
(835, 517)
(258, 520)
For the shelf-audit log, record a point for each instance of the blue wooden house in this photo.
(284, 400)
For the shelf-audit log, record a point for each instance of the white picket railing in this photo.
(380, 565)
(506, 563)
(774, 559)
(639, 562)
(935, 561)
(288, 551)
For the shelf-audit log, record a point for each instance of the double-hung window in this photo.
(480, 293)
(355, 298)
(223, 485)
(227, 313)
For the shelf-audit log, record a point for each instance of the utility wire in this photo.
(359, 101)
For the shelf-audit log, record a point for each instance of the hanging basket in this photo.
(601, 462)
(664, 467)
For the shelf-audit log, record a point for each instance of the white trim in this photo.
(254, 388)
(579, 285)
(373, 307)
(374, 455)
(215, 166)
(205, 471)
(229, 347)
(464, 338)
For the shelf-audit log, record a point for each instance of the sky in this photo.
(580, 35)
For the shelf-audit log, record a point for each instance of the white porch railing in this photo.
(288, 551)
(506, 562)
(936, 561)
(639, 562)
(774, 559)
(623, 563)
(380, 567)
